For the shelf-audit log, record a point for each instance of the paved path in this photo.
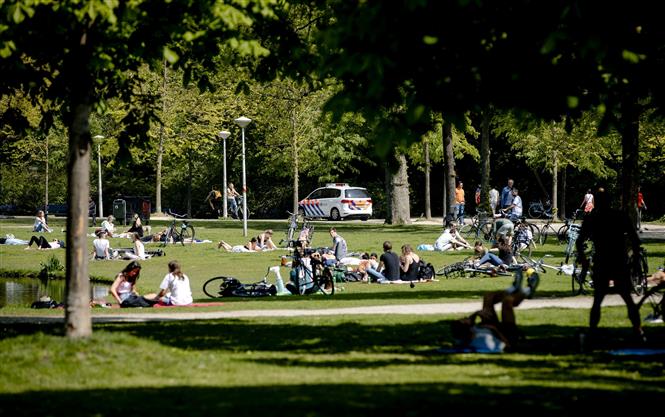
(413, 309)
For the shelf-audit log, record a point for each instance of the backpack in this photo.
(425, 270)
(231, 287)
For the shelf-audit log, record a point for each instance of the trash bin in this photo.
(120, 211)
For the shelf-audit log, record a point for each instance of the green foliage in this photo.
(50, 267)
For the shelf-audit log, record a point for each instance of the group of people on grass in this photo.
(174, 289)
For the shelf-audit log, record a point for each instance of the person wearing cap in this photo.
(108, 226)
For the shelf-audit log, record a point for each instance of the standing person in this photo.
(40, 225)
(641, 207)
(108, 226)
(587, 202)
(388, 269)
(477, 196)
(507, 194)
(175, 289)
(231, 195)
(92, 211)
(459, 202)
(608, 230)
(494, 200)
(409, 264)
(101, 246)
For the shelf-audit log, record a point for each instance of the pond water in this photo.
(24, 291)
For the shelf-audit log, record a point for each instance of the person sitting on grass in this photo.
(450, 239)
(43, 244)
(251, 246)
(174, 289)
(264, 241)
(124, 291)
(482, 331)
(101, 246)
(388, 269)
(138, 250)
(108, 226)
(40, 223)
(409, 264)
(504, 259)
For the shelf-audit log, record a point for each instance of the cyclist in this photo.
(607, 229)
(231, 195)
(213, 198)
(514, 210)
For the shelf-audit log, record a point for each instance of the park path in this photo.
(580, 302)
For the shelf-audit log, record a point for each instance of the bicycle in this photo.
(183, 234)
(238, 213)
(542, 239)
(309, 273)
(223, 286)
(654, 297)
(523, 238)
(639, 271)
(306, 232)
(562, 233)
(537, 209)
(481, 226)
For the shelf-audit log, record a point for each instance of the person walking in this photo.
(459, 202)
(610, 258)
(587, 203)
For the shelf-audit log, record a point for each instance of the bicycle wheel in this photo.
(654, 298)
(213, 287)
(639, 275)
(562, 234)
(467, 230)
(187, 235)
(325, 282)
(535, 212)
(485, 232)
(580, 283)
(168, 236)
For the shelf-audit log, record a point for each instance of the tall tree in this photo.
(78, 54)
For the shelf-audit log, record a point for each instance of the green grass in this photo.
(203, 261)
(344, 365)
(320, 366)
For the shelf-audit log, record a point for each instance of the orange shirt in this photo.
(459, 195)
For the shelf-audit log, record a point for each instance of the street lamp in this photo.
(243, 122)
(224, 134)
(99, 139)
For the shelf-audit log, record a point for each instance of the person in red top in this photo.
(641, 206)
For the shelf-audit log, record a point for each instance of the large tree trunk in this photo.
(428, 188)
(555, 185)
(449, 170)
(190, 175)
(629, 160)
(400, 210)
(160, 150)
(485, 160)
(389, 192)
(78, 323)
(562, 194)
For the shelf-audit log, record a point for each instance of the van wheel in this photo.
(334, 215)
(365, 218)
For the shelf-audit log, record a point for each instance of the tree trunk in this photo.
(46, 179)
(78, 322)
(428, 189)
(160, 149)
(296, 168)
(555, 185)
(449, 170)
(485, 161)
(629, 159)
(400, 203)
(389, 192)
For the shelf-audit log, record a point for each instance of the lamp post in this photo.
(243, 122)
(99, 139)
(224, 134)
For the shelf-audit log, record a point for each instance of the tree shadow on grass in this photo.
(412, 399)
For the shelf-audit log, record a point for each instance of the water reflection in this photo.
(23, 292)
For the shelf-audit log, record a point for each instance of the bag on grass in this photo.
(425, 270)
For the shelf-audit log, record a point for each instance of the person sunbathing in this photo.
(251, 246)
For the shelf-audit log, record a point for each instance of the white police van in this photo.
(337, 201)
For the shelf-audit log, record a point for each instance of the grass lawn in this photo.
(345, 365)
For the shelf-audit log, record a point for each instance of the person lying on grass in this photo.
(251, 246)
(482, 331)
(43, 244)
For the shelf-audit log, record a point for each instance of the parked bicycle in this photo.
(562, 233)
(183, 233)
(639, 271)
(538, 209)
(547, 229)
(305, 234)
(481, 226)
(309, 273)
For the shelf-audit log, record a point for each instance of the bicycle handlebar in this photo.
(176, 215)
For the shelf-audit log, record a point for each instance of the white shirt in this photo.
(517, 210)
(179, 289)
(443, 240)
(101, 246)
(108, 226)
(139, 249)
